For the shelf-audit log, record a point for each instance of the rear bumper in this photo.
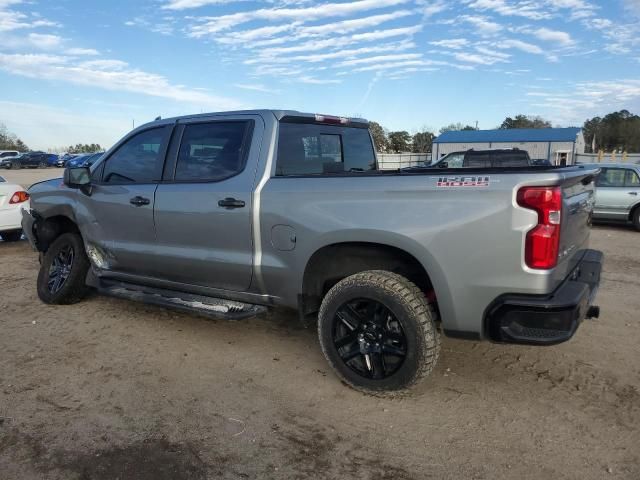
(551, 319)
(10, 218)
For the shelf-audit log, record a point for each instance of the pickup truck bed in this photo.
(281, 208)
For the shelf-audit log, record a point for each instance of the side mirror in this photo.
(443, 165)
(77, 177)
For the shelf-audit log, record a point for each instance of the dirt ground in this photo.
(110, 389)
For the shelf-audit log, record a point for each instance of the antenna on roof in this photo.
(158, 118)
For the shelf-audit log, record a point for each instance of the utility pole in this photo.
(476, 124)
(133, 123)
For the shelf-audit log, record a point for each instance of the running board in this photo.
(208, 306)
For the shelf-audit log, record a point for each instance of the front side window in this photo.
(310, 149)
(212, 151)
(611, 177)
(138, 160)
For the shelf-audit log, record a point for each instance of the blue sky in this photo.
(82, 71)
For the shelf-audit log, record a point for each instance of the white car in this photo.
(13, 198)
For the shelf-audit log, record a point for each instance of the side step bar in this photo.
(207, 306)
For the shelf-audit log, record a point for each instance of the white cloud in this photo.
(525, 9)
(213, 25)
(187, 4)
(563, 39)
(109, 75)
(82, 51)
(453, 43)
(316, 81)
(520, 45)
(255, 88)
(44, 41)
(483, 25)
(381, 58)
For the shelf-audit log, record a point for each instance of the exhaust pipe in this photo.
(593, 312)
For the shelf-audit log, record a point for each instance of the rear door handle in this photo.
(231, 203)
(139, 201)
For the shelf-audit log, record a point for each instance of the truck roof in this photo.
(278, 114)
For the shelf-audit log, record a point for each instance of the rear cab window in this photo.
(316, 149)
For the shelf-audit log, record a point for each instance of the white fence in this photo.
(393, 161)
(608, 158)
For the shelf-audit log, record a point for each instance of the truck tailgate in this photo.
(578, 190)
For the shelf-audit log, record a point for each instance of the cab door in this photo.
(203, 208)
(118, 212)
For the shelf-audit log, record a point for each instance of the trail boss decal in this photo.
(470, 181)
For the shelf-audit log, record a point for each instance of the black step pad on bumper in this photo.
(548, 319)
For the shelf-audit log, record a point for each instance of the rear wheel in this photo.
(63, 270)
(42, 164)
(15, 165)
(377, 331)
(11, 236)
(635, 218)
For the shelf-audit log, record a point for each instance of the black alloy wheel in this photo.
(369, 338)
(60, 269)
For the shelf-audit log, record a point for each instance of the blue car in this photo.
(52, 159)
(78, 160)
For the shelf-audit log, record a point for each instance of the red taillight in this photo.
(543, 241)
(19, 197)
(331, 119)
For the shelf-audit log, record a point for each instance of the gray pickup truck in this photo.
(228, 214)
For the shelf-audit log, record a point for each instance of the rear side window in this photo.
(632, 179)
(478, 160)
(138, 160)
(310, 149)
(212, 151)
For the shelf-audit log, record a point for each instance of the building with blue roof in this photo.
(558, 145)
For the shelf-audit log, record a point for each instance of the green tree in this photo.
(379, 134)
(422, 142)
(615, 131)
(84, 148)
(454, 127)
(9, 141)
(400, 141)
(525, 121)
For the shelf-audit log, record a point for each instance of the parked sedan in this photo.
(618, 193)
(13, 198)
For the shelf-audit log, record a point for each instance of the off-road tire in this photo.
(11, 236)
(635, 218)
(74, 288)
(409, 305)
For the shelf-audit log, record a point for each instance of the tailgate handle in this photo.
(633, 193)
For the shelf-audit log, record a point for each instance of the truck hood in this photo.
(46, 186)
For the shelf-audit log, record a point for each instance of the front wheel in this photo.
(42, 165)
(61, 280)
(378, 332)
(15, 165)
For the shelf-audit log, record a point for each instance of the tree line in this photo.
(10, 141)
(617, 131)
(422, 141)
